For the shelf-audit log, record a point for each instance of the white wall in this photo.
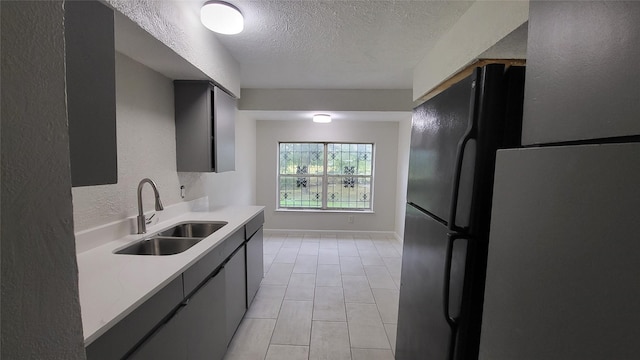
(325, 99)
(404, 142)
(146, 148)
(40, 305)
(236, 187)
(385, 137)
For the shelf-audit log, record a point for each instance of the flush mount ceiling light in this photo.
(221, 17)
(322, 118)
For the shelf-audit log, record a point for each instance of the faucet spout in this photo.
(142, 226)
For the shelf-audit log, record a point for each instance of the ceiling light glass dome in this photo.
(221, 17)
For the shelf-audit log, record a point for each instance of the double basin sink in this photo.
(174, 240)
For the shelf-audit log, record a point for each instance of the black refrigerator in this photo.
(454, 138)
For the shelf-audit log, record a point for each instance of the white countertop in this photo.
(113, 285)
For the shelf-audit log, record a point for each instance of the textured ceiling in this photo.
(319, 44)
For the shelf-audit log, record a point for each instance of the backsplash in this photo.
(99, 235)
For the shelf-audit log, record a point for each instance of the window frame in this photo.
(324, 177)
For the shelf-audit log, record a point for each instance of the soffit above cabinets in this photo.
(133, 41)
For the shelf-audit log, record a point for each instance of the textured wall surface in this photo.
(177, 25)
(146, 148)
(479, 29)
(383, 134)
(40, 306)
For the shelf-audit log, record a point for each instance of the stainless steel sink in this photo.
(174, 240)
(159, 245)
(193, 229)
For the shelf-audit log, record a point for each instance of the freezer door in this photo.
(562, 272)
(423, 329)
(437, 127)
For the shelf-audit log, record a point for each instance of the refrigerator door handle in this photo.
(462, 145)
(452, 237)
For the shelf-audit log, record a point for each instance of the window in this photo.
(326, 176)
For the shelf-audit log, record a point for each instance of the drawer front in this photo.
(233, 242)
(253, 225)
(200, 271)
(122, 338)
(169, 342)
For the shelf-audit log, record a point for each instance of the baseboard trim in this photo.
(388, 234)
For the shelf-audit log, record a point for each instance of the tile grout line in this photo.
(313, 306)
(281, 304)
(342, 287)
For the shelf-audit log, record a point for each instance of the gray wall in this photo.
(40, 306)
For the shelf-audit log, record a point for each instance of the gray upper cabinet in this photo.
(205, 127)
(583, 78)
(91, 92)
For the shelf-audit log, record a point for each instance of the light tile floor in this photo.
(323, 296)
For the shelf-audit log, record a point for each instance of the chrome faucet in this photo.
(142, 225)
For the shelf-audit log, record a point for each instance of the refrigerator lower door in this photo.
(564, 255)
(423, 330)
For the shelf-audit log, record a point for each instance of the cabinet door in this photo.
(235, 287)
(255, 264)
(224, 134)
(563, 255)
(91, 92)
(205, 314)
(169, 342)
(205, 127)
(193, 126)
(582, 71)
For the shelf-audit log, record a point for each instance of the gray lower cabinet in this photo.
(235, 291)
(124, 336)
(195, 316)
(255, 264)
(168, 342)
(206, 316)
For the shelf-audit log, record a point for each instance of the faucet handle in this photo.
(148, 220)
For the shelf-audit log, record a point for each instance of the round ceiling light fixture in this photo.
(322, 118)
(221, 17)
